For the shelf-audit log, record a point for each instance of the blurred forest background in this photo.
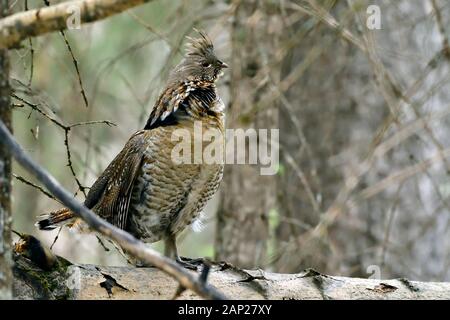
(363, 179)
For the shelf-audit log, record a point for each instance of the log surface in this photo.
(69, 281)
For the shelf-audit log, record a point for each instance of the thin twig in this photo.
(100, 241)
(66, 129)
(441, 27)
(81, 187)
(405, 173)
(77, 69)
(36, 108)
(301, 175)
(321, 14)
(152, 30)
(387, 233)
(56, 237)
(29, 183)
(107, 122)
(74, 60)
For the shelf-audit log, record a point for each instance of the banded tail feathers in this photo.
(55, 219)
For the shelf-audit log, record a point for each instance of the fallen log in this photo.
(70, 281)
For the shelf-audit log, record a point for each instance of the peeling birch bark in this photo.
(22, 25)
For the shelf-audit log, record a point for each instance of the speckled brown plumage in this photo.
(142, 190)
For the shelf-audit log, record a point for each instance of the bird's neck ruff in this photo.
(192, 98)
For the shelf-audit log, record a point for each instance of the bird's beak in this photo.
(223, 65)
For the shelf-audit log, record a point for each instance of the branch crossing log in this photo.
(126, 241)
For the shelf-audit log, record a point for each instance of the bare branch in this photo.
(19, 26)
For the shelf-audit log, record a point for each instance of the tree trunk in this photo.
(5, 175)
(243, 222)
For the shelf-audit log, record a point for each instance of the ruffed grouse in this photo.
(142, 190)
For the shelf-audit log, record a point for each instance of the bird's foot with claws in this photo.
(191, 263)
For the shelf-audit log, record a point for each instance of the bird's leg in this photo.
(171, 251)
(170, 248)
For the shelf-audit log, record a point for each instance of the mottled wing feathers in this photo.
(97, 189)
(110, 195)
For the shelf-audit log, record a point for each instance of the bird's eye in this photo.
(206, 64)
